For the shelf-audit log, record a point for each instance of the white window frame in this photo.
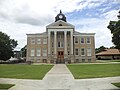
(44, 52)
(76, 52)
(44, 40)
(81, 40)
(88, 51)
(82, 52)
(76, 40)
(32, 41)
(88, 40)
(39, 41)
(38, 52)
(32, 52)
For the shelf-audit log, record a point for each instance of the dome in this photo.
(60, 16)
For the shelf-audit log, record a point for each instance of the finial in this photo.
(60, 11)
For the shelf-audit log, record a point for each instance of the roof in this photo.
(78, 33)
(44, 33)
(56, 24)
(109, 52)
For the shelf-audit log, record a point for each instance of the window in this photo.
(38, 52)
(76, 51)
(52, 53)
(32, 52)
(38, 41)
(60, 24)
(68, 53)
(45, 41)
(88, 51)
(76, 40)
(89, 60)
(32, 41)
(82, 52)
(58, 44)
(62, 44)
(77, 60)
(82, 40)
(44, 52)
(83, 60)
(88, 40)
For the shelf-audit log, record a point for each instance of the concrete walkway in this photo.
(60, 78)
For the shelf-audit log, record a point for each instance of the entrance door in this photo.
(60, 57)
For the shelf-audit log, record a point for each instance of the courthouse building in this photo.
(60, 44)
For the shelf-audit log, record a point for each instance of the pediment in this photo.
(60, 24)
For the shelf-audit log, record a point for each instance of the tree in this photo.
(7, 46)
(114, 27)
(112, 47)
(23, 51)
(101, 48)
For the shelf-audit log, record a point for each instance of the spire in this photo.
(60, 11)
(60, 16)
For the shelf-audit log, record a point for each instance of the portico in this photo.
(62, 41)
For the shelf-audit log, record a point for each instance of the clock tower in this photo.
(60, 16)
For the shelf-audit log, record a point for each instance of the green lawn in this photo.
(116, 84)
(94, 70)
(24, 71)
(114, 60)
(6, 86)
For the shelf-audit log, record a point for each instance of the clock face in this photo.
(60, 16)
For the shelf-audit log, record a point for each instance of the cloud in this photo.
(97, 26)
(18, 17)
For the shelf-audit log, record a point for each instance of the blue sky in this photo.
(20, 17)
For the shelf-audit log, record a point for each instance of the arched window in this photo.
(60, 24)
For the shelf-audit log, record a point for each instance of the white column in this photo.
(71, 35)
(65, 42)
(49, 42)
(55, 41)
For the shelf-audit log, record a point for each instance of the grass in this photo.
(115, 61)
(117, 84)
(24, 71)
(94, 70)
(6, 86)
(103, 61)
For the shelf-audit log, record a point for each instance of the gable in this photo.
(60, 24)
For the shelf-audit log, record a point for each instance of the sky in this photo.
(21, 17)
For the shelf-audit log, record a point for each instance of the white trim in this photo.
(84, 35)
(38, 52)
(57, 30)
(84, 40)
(90, 40)
(75, 51)
(61, 22)
(32, 52)
(36, 35)
(89, 52)
(81, 51)
(38, 40)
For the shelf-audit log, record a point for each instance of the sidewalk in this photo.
(60, 78)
